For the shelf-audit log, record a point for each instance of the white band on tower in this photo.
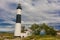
(19, 11)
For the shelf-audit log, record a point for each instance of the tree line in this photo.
(47, 30)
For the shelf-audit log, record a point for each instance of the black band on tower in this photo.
(19, 6)
(18, 18)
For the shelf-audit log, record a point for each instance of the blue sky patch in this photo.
(12, 5)
(5, 24)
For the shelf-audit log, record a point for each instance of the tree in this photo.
(35, 28)
(49, 29)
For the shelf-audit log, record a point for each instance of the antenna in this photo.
(19, 2)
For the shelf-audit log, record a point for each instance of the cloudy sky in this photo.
(33, 11)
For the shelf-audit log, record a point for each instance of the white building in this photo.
(27, 33)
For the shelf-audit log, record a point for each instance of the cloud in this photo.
(12, 6)
(33, 11)
(6, 29)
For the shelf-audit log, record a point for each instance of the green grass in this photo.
(48, 38)
(43, 38)
(35, 37)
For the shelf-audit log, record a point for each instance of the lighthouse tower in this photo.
(17, 32)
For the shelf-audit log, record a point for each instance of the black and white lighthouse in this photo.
(17, 32)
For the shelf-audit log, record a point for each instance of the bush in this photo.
(48, 29)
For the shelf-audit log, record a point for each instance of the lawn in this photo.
(49, 38)
(42, 38)
(38, 38)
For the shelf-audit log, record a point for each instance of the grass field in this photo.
(43, 38)
(48, 38)
(33, 37)
(36, 38)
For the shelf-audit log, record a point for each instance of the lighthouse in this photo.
(17, 32)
